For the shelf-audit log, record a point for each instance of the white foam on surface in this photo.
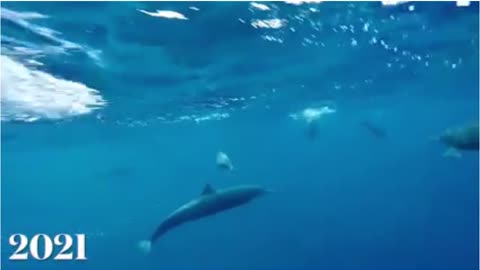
(29, 95)
(299, 2)
(21, 19)
(6, 13)
(205, 117)
(462, 3)
(270, 23)
(259, 6)
(60, 46)
(168, 14)
(393, 2)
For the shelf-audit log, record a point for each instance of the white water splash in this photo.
(21, 20)
(59, 46)
(393, 2)
(168, 14)
(259, 6)
(299, 2)
(271, 23)
(463, 3)
(6, 13)
(30, 95)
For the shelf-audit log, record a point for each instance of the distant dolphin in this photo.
(311, 116)
(209, 203)
(375, 130)
(460, 138)
(312, 130)
(224, 162)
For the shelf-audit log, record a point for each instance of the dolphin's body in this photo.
(312, 131)
(312, 117)
(209, 203)
(375, 130)
(224, 162)
(461, 138)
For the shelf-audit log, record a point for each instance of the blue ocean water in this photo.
(113, 112)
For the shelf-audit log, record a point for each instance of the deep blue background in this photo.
(344, 201)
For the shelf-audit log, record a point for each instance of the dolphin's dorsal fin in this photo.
(208, 189)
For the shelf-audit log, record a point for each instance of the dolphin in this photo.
(375, 130)
(224, 162)
(460, 138)
(312, 116)
(209, 203)
(312, 131)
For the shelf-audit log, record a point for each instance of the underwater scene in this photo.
(240, 135)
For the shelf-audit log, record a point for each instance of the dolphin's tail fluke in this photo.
(145, 246)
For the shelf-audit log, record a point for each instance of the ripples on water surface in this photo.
(174, 61)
